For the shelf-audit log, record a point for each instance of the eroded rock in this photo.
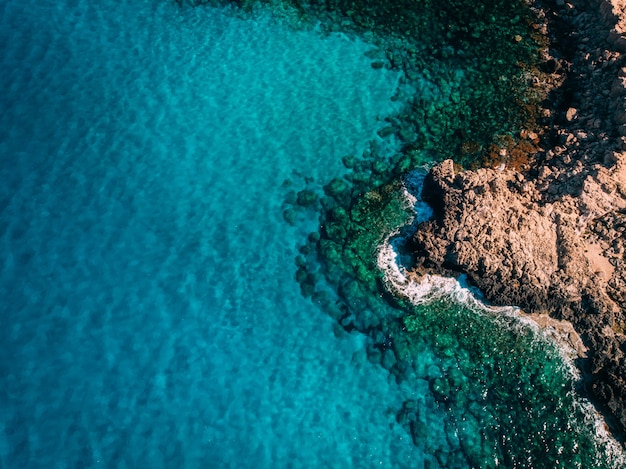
(544, 256)
(552, 239)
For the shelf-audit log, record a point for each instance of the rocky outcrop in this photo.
(552, 238)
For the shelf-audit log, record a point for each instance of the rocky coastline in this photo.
(550, 235)
(543, 229)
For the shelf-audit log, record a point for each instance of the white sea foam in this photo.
(429, 288)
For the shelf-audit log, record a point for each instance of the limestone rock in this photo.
(553, 239)
(523, 246)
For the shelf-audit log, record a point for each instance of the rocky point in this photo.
(551, 237)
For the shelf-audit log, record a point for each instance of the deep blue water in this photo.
(150, 316)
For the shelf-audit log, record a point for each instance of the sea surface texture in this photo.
(151, 156)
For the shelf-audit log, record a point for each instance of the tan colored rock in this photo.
(553, 239)
(614, 12)
(571, 113)
(540, 254)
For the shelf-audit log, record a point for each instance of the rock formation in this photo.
(551, 238)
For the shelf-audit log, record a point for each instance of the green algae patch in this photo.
(467, 67)
(375, 213)
(352, 228)
(507, 411)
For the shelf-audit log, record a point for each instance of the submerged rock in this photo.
(306, 198)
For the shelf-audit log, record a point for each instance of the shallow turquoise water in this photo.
(150, 315)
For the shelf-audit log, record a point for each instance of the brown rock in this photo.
(520, 249)
(553, 239)
(571, 114)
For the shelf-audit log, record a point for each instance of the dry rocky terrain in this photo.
(551, 237)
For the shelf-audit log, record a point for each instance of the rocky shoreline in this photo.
(550, 236)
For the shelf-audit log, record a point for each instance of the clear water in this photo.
(150, 314)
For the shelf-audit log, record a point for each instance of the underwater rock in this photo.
(307, 198)
(348, 161)
(335, 232)
(440, 387)
(338, 190)
(290, 216)
(386, 132)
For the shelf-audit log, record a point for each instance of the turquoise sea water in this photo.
(150, 313)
